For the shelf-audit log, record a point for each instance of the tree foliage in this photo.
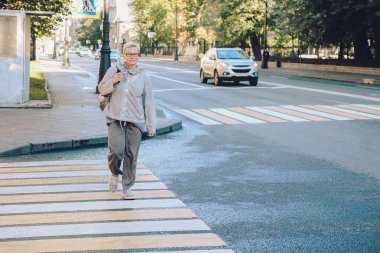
(344, 24)
(153, 16)
(89, 30)
(43, 25)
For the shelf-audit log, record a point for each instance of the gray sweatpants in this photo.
(124, 141)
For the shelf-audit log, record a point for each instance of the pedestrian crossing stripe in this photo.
(133, 242)
(63, 208)
(282, 113)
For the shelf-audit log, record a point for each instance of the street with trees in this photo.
(89, 30)
(350, 27)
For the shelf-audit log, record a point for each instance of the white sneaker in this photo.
(128, 194)
(114, 181)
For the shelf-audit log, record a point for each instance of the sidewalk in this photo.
(74, 120)
(360, 75)
(65, 206)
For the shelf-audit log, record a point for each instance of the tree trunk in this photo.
(362, 53)
(341, 51)
(243, 44)
(33, 56)
(377, 48)
(255, 44)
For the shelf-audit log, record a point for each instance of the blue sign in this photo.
(88, 7)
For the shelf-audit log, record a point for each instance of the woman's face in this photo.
(131, 57)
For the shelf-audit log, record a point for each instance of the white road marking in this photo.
(74, 188)
(74, 173)
(90, 205)
(175, 69)
(237, 116)
(367, 106)
(199, 118)
(103, 228)
(313, 112)
(277, 114)
(351, 111)
(177, 81)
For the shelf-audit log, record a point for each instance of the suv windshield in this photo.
(231, 54)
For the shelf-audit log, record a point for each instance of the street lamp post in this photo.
(176, 32)
(265, 58)
(105, 61)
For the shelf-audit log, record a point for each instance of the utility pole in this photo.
(105, 61)
(265, 58)
(66, 61)
(176, 31)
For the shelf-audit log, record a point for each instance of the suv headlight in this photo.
(224, 65)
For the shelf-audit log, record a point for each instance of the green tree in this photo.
(241, 19)
(342, 23)
(43, 25)
(153, 16)
(89, 30)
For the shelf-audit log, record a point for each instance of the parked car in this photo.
(73, 50)
(60, 50)
(97, 54)
(84, 51)
(114, 55)
(228, 64)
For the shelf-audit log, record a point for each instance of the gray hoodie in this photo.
(132, 99)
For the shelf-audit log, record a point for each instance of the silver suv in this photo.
(231, 64)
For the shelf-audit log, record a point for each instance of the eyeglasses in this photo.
(131, 54)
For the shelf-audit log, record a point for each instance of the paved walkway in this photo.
(66, 206)
(74, 120)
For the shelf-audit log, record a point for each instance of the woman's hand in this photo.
(151, 134)
(117, 78)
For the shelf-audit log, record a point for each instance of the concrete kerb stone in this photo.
(101, 141)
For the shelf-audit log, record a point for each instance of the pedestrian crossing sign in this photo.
(86, 7)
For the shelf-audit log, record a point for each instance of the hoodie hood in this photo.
(120, 65)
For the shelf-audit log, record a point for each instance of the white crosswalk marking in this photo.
(351, 111)
(277, 114)
(81, 173)
(199, 118)
(237, 116)
(367, 106)
(314, 112)
(102, 228)
(87, 217)
(73, 188)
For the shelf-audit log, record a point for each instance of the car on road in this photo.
(114, 54)
(228, 64)
(84, 51)
(60, 50)
(97, 54)
(73, 50)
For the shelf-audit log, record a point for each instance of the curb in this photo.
(100, 141)
(366, 81)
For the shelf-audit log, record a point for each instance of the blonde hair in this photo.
(129, 45)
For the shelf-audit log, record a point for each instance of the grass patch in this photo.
(37, 86)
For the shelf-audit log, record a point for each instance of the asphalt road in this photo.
(302, 186)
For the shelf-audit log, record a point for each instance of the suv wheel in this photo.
(253, 81)
(217, 80)
(202, 76)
